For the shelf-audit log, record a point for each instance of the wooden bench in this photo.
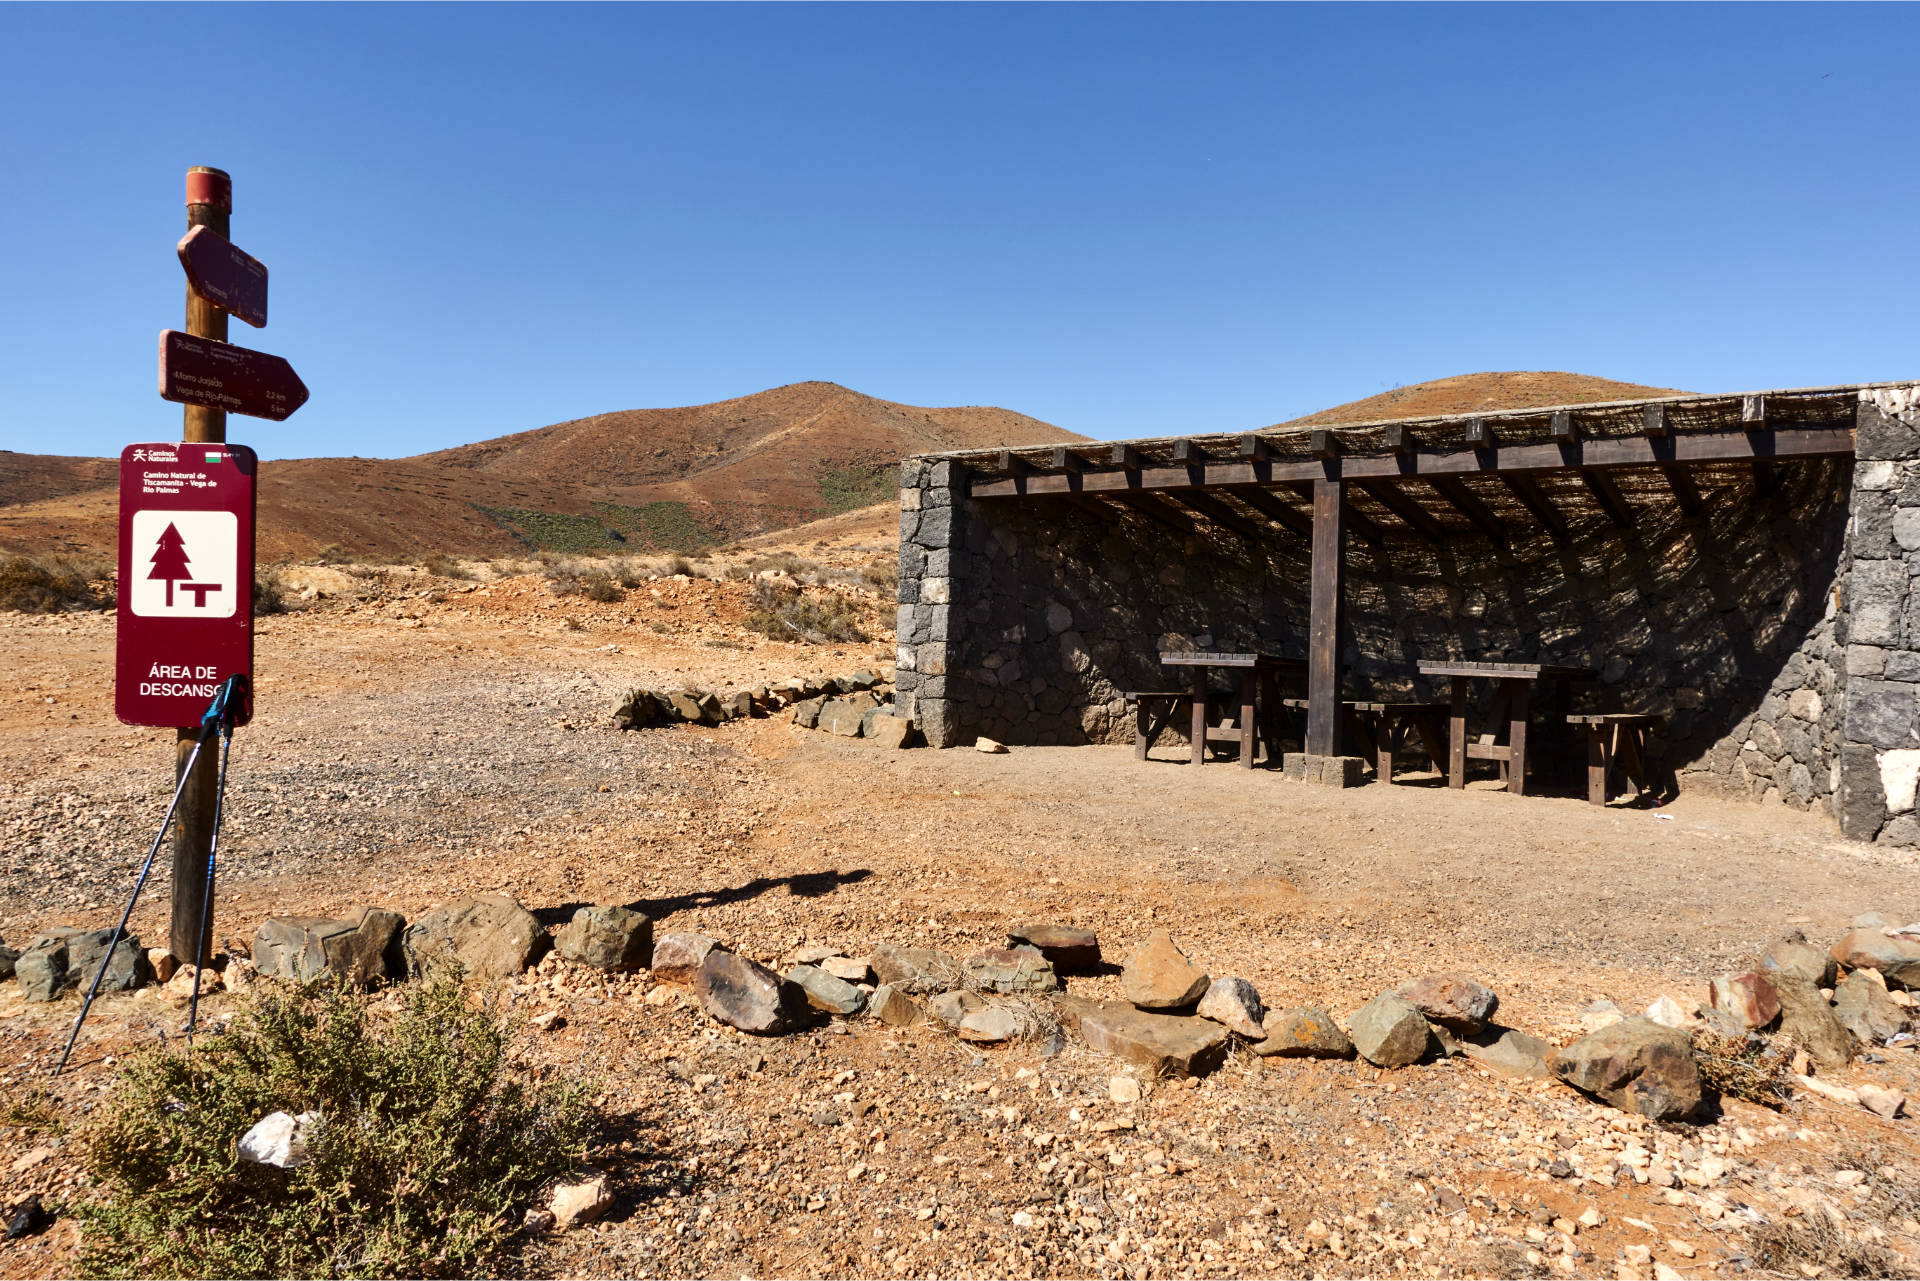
(1616, 740)
(1146, 703)
(1385, 726)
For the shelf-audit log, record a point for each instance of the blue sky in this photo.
(1125, 220)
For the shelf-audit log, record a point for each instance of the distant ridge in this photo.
(1486, 392)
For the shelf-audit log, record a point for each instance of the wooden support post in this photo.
(1066, 460)
(1008, 463)
(190, 931)
(1457, 732)
(1599, 762)
(1249, 682)
(1518, 713)
(1126, 457)
(1323, 632)
(1199, 721)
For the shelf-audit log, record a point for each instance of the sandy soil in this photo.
(412, 748)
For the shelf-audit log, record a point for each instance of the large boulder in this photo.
(1500, 1049)
(1009, 969)
(825, 992)
(1897, 959)
(607, 937)
(842, 716)
(1864, 1008)
(1390, 1031)
(1810, 1023)
(1750, 1000)
(490, 937)
(678, 955)
(1235, 1004)
(63, 959)
(745, 994)
(1159, 1044)
(365, 950)
(1070, 949)
(1637, 1066)
(917, 971)
(1302, 1034)
(1454, 1001)
(1801, 959)
(1160, 977)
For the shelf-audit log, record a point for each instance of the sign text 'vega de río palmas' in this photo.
(218, 375)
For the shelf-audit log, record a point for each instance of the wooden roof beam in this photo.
(1607, 494)
(1220, 514)
(1105, 513)
(1395, 499)
(1535, 500)
(1274, 509)
(1127, 458)
(1468, 505)
(1156, 510)
(1008, 463)
(1065, 460)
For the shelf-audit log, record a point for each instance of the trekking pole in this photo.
(208, 725)
(226, 718)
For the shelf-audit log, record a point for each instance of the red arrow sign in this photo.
(200, 371)
(228, 278)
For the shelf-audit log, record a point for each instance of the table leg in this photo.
(1247, 681)
(1199, 715)
(1517, 735)
(1457, 737)
(1598, 763)
(1383, 747)
(1140, 719)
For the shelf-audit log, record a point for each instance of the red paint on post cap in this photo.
(210, 187)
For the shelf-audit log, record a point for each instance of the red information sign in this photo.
(223, 273)
(186, 579)
(203, 371)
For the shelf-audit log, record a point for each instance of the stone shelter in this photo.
(1741, 565)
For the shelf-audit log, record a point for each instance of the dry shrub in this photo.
(51, 585)
(598, 586)
(441, 565)
(332, 554)
(269, 593)
(785, 613)
(433, 1142)
(1820, 1242)
(1744, 1067)
(572, 624)
(882, 574)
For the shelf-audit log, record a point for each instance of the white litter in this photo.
(280, 1140)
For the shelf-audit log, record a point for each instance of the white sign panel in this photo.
(185, 564)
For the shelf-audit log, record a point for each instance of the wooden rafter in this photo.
(1390, 496)
(1220, 514)
(1607, 494)
(1535, 500)
(1464, 501)
(1274, 508)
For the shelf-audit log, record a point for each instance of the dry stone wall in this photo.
(1026, 621)
(1880, 624)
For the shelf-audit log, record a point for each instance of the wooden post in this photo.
(1519, 714)
(190, 938)
(1457, 732)
(1248, 683)
(1198, 722)
(1323, 630)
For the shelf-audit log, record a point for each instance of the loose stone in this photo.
(1636, 1065)
(1302, 1034)
(1452, 1000)
(1160, 977)
(1389, 1031)
(1235, 1004)
(677, 956)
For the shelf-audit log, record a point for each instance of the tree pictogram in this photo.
(170, 560)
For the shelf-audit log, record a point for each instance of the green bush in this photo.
(598, 586)
(432, 1145)
(50, 584)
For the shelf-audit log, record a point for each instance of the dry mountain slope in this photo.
(639, 480)
(1474, 393)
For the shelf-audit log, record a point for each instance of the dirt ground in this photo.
(419, 740)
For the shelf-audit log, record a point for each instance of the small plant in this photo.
(676, 565)
(600, 587)
(441, 565)
(572, 624)
(269, 593)
(785, 613)
(50, 584)
(431, 1144)
(1744, 1067)
(1816, 1244)
(332, 554)
(32, 1110)
(883, 574)
(626, 573)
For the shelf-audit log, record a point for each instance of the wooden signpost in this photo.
(188, 517)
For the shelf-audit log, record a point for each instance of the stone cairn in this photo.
(1825, 1006)
(856, 706)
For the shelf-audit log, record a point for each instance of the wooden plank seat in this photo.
(1383, 726)
(1616, 740)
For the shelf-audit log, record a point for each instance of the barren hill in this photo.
(640, 480)
(1474, 393)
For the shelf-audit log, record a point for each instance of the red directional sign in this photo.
(201, 371)
(186, 579)
(220, 272)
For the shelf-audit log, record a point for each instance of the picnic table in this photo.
(1512, 703)
(1255, 721)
